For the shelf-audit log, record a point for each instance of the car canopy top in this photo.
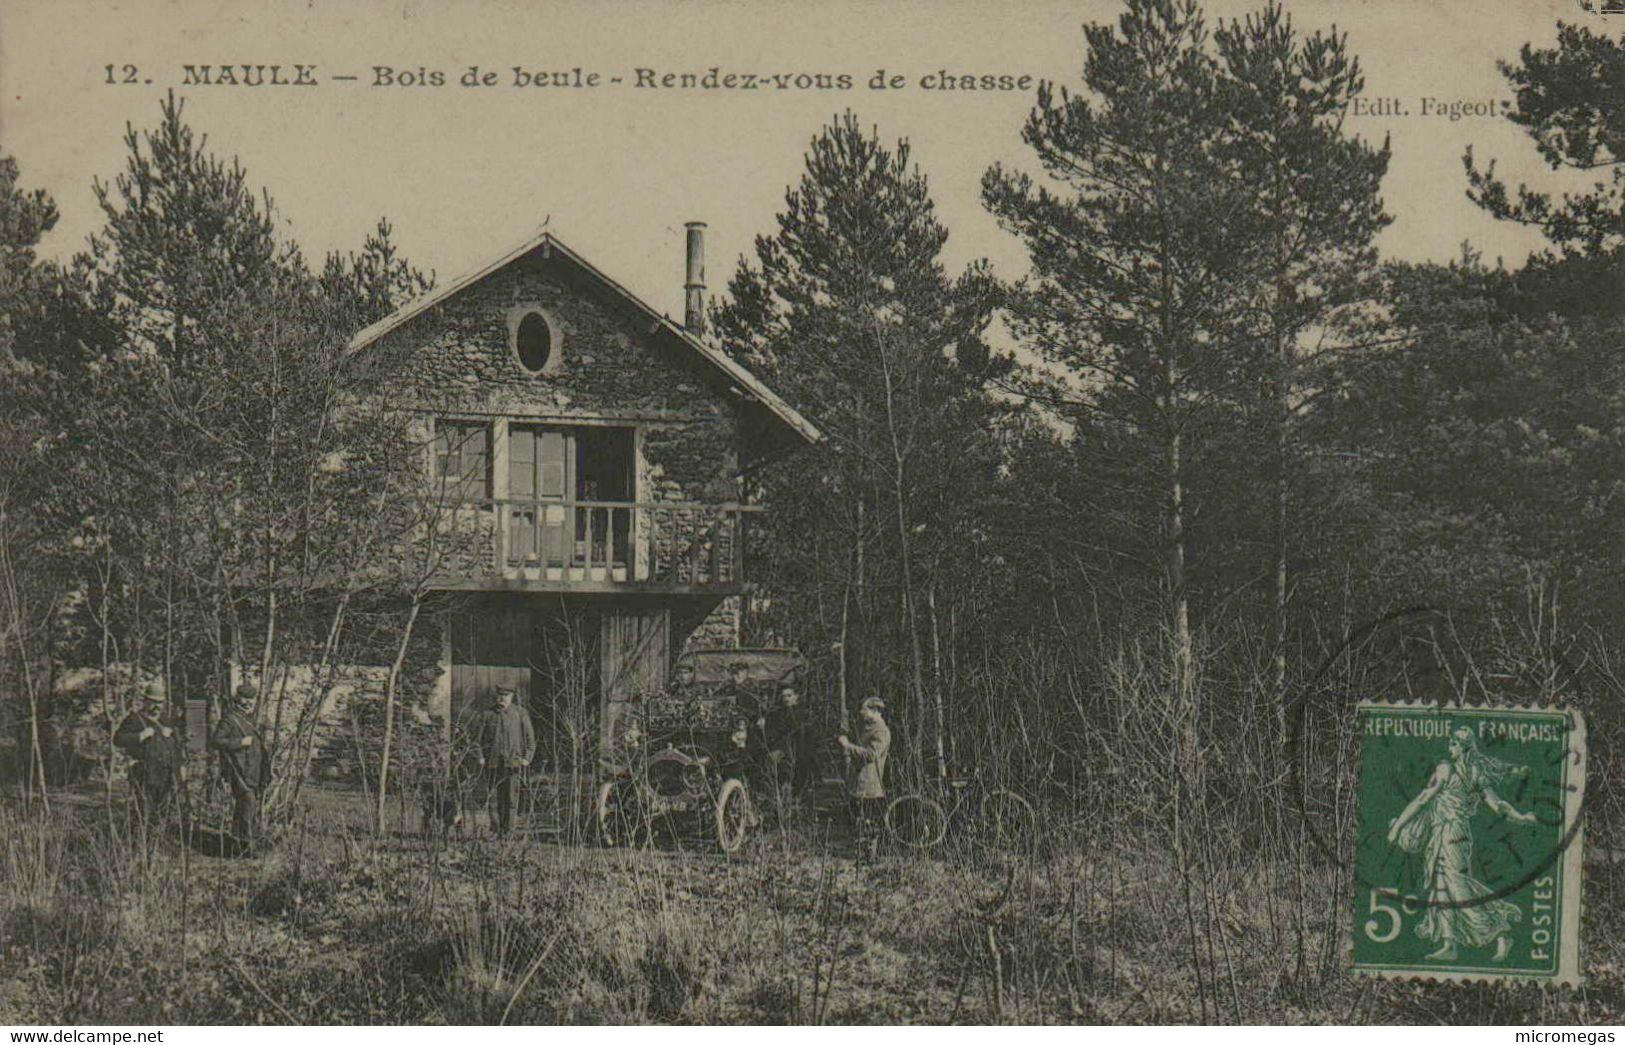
(770, 665)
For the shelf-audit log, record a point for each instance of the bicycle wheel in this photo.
(916, 821)
(1009, 822)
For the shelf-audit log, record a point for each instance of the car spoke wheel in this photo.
(732, 815)
(916, 821)
(1009, 822)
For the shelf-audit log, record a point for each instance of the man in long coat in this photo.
(244, 762)
(867, 785)
(154, 748)
(505, 742)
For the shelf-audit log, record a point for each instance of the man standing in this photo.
(867, 787)
(505, 742)
(245, 763)
(785, 732)
(155, 752)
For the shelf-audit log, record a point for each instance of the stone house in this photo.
(593, 458)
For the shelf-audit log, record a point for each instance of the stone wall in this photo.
(609, 368)
(349, 727)
(717, 629)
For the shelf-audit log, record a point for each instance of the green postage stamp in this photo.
(1468, 860)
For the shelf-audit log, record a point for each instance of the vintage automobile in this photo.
(681, 763)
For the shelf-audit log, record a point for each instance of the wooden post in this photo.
(501, 511)
(500, 516)
(586, 565)
(715, 530)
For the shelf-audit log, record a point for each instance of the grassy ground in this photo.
(333, 925)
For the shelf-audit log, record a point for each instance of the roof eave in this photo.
(750, 382)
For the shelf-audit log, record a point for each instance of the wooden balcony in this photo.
(595, 546)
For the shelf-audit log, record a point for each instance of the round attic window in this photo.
(535, 342)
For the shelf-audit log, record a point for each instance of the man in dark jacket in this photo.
(785, 733)
(245, 763)
(154, 748)
(504, 742)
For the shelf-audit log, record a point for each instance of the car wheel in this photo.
(732, 815)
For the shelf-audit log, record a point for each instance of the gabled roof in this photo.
(550, 245)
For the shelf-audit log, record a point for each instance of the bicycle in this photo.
(999, 818)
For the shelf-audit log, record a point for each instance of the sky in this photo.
(615, 169)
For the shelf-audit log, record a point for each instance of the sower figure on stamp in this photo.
(867, 788)
(504, 742)
(150, 741)
(244, 762)
(1461, 909)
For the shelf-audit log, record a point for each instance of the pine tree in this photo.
(27, 588)
(1133, 297)
(25, 217)
(1318, 211)
(186, 241)
(233, 481)
(365, 287)
(1571, 101)
(849, 310)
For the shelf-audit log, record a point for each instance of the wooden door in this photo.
(635, 646)
(490, 647)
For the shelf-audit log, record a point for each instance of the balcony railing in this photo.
(603, 543)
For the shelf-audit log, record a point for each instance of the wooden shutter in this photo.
(446, 465)
(476, 462)
(553, 471)
(553, 450)
(522, 463)
(462, 458)
(522, 487)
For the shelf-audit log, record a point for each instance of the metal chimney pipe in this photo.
(694, 285)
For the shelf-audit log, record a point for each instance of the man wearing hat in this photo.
(867, 787)
(742, 697)
(150, 741)
(244, 762)
(504, 741)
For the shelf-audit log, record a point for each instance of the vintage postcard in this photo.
(525, 512)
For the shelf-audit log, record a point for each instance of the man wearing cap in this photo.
(244, 762)
(682, 685)
(150, 741)
(868, 788)
(504, 742)
(742, 696)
